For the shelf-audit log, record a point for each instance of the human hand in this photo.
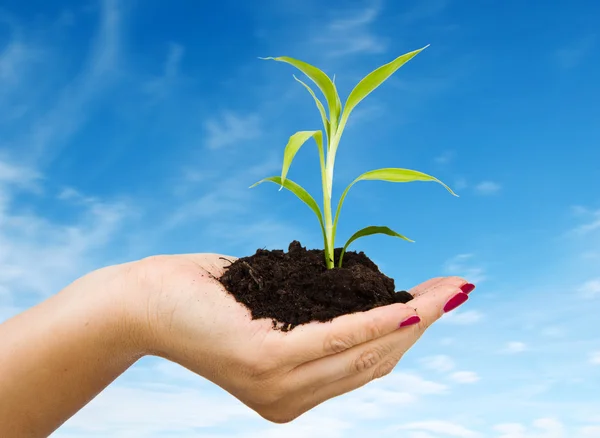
(190, 319)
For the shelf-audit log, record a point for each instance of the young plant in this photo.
(334, 122)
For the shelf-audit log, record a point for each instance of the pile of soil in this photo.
(296, 287)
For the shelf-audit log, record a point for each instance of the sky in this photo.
(132, 128)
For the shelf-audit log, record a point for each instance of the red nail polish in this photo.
(411, 320)
(467, 288)
(455, 301)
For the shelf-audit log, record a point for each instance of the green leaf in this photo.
(391, 174)
(321, 80)
(319, 106)
(302, 194)
(368, 231)
(293, 146)
(374, 80)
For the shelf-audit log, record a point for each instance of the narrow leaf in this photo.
(368, 231)
(394, 174)
(374, 80)
(301, 193)
(293, 146)
(319, 106)
(320, 79)
(389, 175)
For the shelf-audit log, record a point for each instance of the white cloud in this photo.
(164, 408)
(51, 132)
(542, 428)
(159, 87)
(218, 196)
(590, 431)
(445, 157)
(592, 223)
(11, 173)
(515, 347)
(462, 265)
(440, 363)
(38, 255)
(231, 130)
(554, 332)
(572, 55)
(351, 34)
(444, 428)
(121, 410)
(487, 188)
(467, 317)
(590, 289)
(595, 358)
(465, 377)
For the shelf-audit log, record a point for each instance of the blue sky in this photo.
(132, 128)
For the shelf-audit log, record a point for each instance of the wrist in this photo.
(116, 302)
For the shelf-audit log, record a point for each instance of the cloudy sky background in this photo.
(132, 128)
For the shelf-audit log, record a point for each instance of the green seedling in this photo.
(334, 122)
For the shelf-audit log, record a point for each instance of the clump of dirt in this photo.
(296, 287)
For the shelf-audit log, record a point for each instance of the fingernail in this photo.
(411, 320)
(467, 288)
(455, 301)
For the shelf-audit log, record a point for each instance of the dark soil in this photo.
(295, 288)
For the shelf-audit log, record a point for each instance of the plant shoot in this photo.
(334, 121)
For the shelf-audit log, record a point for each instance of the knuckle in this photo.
(368, 359)
(372, 328)
(336, 343)
(385, 368)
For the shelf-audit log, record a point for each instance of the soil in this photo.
(295, 288)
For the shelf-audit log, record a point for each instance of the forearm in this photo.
(57, 356)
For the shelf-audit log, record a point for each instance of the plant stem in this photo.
(327, 193)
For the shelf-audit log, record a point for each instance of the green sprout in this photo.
(334, 122)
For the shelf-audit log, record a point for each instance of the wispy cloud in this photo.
(573, 54)
(39, 256)
(465, 377)
(425, 9)
(592, 221)
(514, 347)
(590, 289)
(439, 363)
(351, 32)
(467, 317)
(159, 87)
(595, 358)
(542, 428)
(50, 126)
(462, 265)
(14, 174)
(445, 157)
(232, 130)
(487, 188)
(443, 428)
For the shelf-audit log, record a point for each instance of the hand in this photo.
(190, 319)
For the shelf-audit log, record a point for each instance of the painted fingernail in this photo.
(411, 320)
(455, 301)
(467, 288)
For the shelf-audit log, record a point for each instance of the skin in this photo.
(57, 356)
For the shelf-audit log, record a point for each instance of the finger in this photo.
(424, 287)
(420, 288)
(317, 340)
(387, 349)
